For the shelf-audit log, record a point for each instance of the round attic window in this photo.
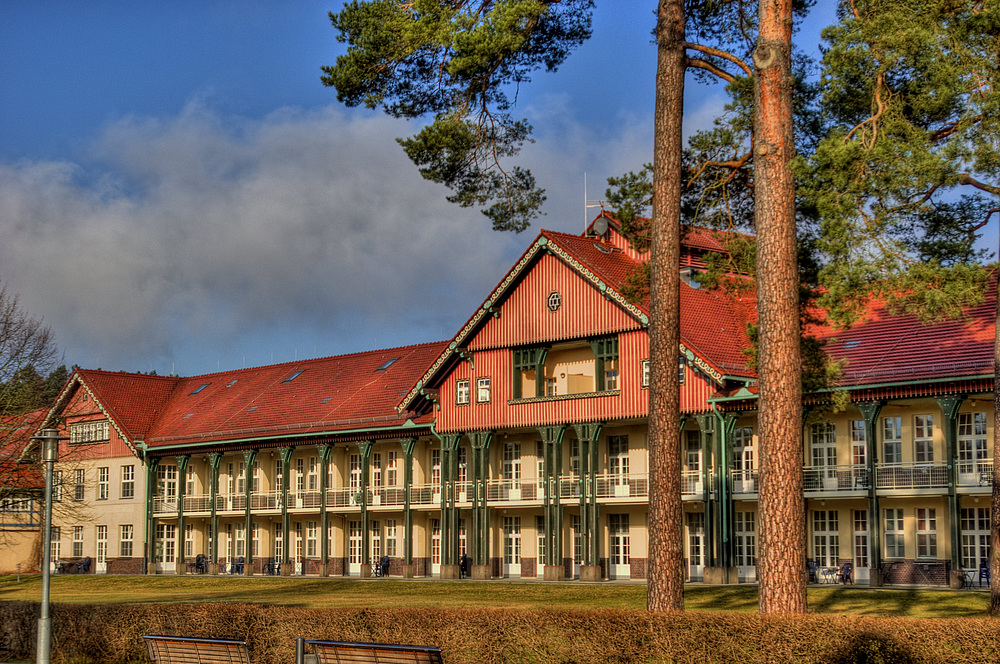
(554, 301)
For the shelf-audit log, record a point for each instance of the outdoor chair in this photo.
(201, 564)
(812, 567)
(83, 567)
(237, 566)
(846, 574)
(984, 572)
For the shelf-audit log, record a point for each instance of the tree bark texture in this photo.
(994, 562)
(781, 563)
(666, 553)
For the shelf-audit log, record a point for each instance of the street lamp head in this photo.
(49, 439)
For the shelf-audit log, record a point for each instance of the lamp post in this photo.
(50, 454)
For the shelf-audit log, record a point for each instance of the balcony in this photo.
(976, 475)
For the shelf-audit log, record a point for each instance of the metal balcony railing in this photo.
(817, 479)
(911, 476)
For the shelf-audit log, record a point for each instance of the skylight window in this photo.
(251, 408)
(388, 364)
(203, 386)
(852, 344)
(232, 382)
(188, 415)
(326, 399)
(293, 376)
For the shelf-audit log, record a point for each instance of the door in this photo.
(618, 465)
(512, 546)
(862, 547)
(971, 448)
(620, 566)
(745, 545)
(696, 545)
(355, 539)
(823, 444)
(436, 546)
(102, 550)
(743, 461)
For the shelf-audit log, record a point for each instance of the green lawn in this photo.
(375, 593)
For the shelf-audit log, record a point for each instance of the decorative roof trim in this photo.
(599, 283)
(702, 365)
(60, 403)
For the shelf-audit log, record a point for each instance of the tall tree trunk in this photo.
(666, 553)
(782, 521)
(994, 561)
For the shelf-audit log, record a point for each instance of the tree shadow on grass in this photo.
(871, 648)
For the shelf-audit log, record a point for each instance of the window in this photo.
(57, 486)
(293, 376)
(645, 373)
(166, 481)
(56, 534)
(894, 540)
(693, 450)
(826, 538)
(511, 467)
(823, 439)
(313, 478)
(128, 482)
(189, 539)
(103, 484)
(300, 475)
(200, 388)
(483, 389)
(279, 475)
(189, 483)
(462, 391)
(975, 523)
(540, 536)
(390, 469)
(859, 443)
(610, 375)
(551, 387)
(892, 439)
(310, 539)
(375, 540)
(436, 468)
(971, 443)
(923, 438)
(354, 470)
(376, 469)
(618, 459)
(575, 528)
(390, 537)
(680, 369)
(79, 486)
(463, 464)
(125, 541)
(279, 541)
(89, 432)
(926, 532)
(745, 539)
(241, 478)
(387, 364)
(241, 539)
(77, 541)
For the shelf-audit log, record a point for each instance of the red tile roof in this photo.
(331, 394)
(884, 348)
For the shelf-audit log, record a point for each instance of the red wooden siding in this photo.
(525, 319)
(83, 408)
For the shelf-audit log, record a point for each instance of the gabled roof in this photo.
(713, 326)
(887, 348)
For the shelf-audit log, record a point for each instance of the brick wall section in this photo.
(638, 568)
(917, 572)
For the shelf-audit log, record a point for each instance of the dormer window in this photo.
(89, 432)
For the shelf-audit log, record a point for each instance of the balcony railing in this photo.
(911, 476)
(817, 479)
(975, 473)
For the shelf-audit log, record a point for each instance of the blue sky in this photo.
(179, 192)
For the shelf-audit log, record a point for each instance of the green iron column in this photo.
(706, 431)
(870, 411)
(365, 449)
(480, 509)
(588, 436)
(408, 445)
(249, 456)
(724, 523)
(324, 518)
(152, 465)
(449, 511)
(182, 465)
(286, 465)
(950, 406)
(214, 461)
(552, 437)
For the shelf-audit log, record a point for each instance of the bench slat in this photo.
(184, 650)
(340, 652)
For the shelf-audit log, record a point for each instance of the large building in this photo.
(520, 445)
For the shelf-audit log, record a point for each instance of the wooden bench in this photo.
(184, 650)
(343, 652)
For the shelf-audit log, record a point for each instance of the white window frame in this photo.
(892, 440)
(462, 392)
(923, 438)
(926, 518)
(895, 535)
(126, 533)
(483, 389)
(103, 483)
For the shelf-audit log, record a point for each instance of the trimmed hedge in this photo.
(112, 634)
